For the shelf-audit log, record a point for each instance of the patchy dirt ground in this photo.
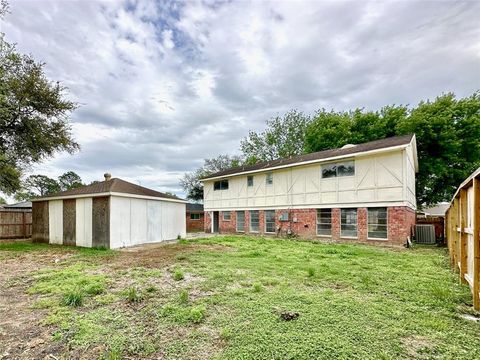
(21, 333)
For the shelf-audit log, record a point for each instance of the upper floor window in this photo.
(250, 180)
(269, 179)
(345, 168)
(220, 185)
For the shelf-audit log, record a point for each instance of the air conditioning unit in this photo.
(283, 216)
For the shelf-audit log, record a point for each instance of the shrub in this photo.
(73, 298)
(178, 275)
(133, 295)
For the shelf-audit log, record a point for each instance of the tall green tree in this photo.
(33, 114)
(69, 180)
(42, 185)
(191, 183)
(283, 137)
(448, 144)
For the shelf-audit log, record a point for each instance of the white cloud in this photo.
(163, 85)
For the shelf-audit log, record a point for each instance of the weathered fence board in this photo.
(15, 224)
(463, 234)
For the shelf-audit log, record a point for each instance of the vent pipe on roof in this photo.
(107, 176)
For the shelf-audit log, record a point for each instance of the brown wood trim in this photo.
(69, 221)
(40, 227)
(101, 222)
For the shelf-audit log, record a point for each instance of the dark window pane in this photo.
(377, 223)
(346, 168)
(348, 222)
(324, 222)
(249, 180)
(270, 221)
(329, 171)
(269, 179)
(240, 220)
(254, 220)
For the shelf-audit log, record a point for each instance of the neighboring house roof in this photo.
(436, 210)
(320, 155)
(108, 187)
(191, 207)
(20, 205)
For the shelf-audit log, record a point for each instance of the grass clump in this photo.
(133, 295)
(73, 298)
(257, 287)
(178, 274)
(197, 314)
(311, 272)
(183, 297)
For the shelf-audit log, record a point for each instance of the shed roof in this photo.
(21, 205)
(114, 185)
(436, 210)
(320, 155)
(191, 207)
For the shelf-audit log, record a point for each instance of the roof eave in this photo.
(360, 153)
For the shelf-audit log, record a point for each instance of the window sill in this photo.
(377, 239)
(324, 236)
(240, 231)
(269, 232)
(349, 237)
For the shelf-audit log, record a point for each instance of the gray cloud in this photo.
(163, 85)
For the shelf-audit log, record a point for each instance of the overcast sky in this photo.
(162, 85)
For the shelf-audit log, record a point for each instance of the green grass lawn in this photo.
(222, 298)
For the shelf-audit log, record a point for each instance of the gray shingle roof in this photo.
(112, 185)
(191, 207)
(368, 146)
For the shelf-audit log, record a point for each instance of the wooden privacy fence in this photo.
(463, 233)
(15, 224)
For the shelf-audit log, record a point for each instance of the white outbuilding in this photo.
(111, 214)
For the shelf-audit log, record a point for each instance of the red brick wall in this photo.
(207, 220)
(227, 226)
(400, 222)
(195, 225)
(303, 223)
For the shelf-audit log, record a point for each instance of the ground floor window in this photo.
(226, 215)
(349, 222)
(377, 223)
(324, 222)
(240, 221)
(270, 221)
(194, 216)
(254, 221)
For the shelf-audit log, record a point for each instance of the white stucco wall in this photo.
(55, 221)
(385, 179)
(83, 222)
(138, 221)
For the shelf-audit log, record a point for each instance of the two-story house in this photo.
(363, 192)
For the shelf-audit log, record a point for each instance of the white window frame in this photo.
(368, 224)
(265, 221)
(356, 224)
(236, 223)
(194, 219)
(318, 223)
(337, 164)
(250, 221)
(249, 177)
(269, 178)
(226, 213)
